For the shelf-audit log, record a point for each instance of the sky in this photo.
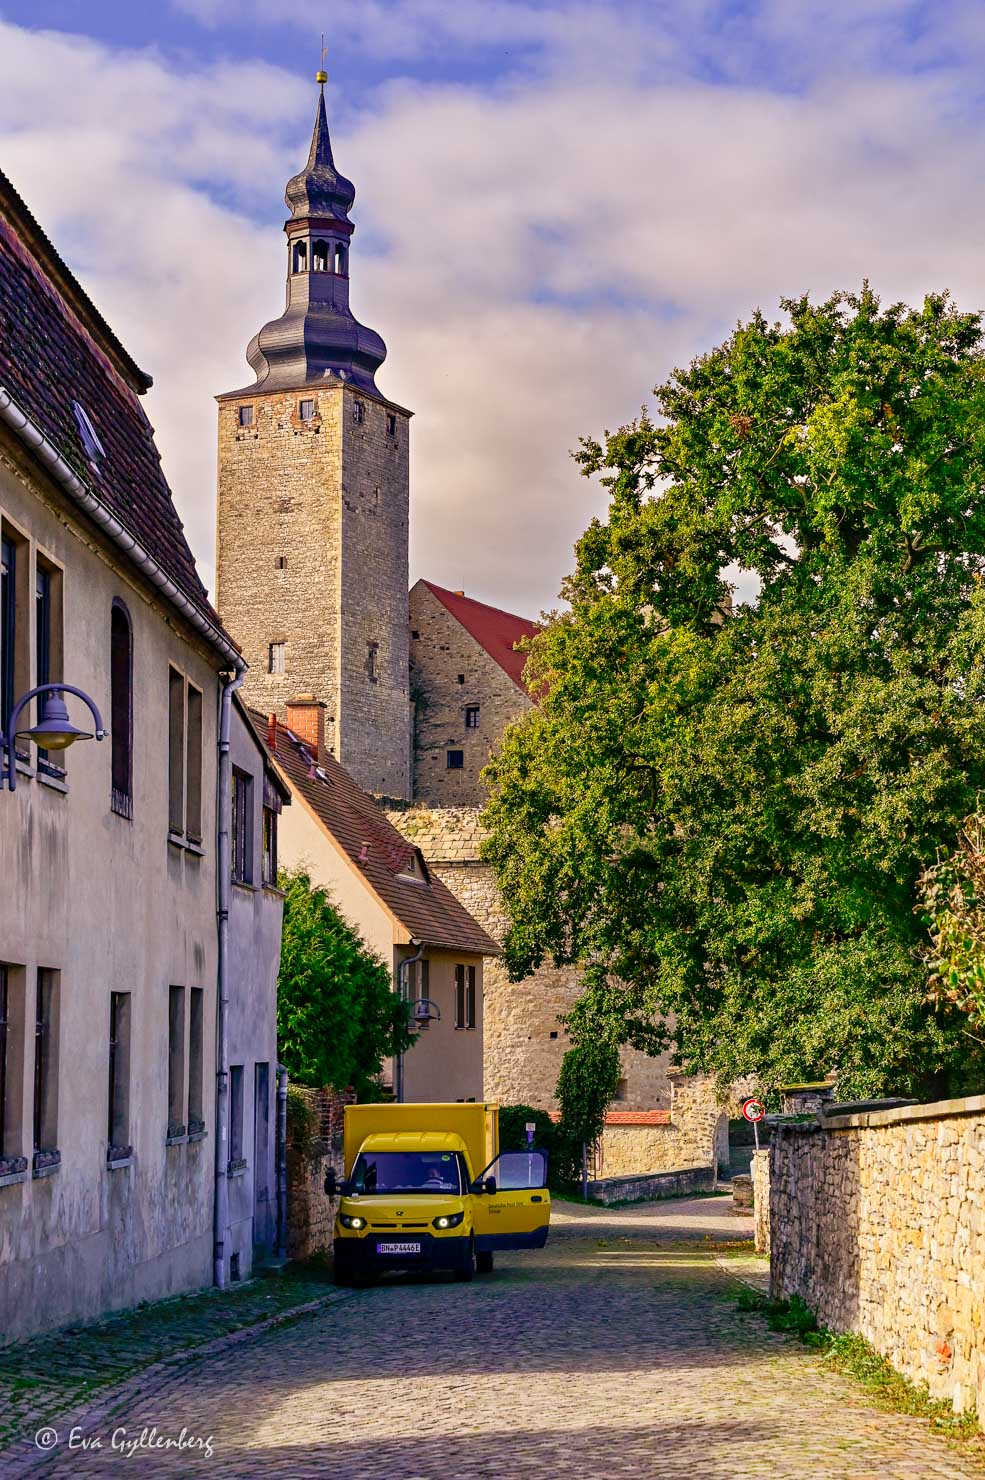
(556, 204)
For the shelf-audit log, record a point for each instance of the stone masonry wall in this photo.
(523, 1041)
(761, 1199)
(878, 1221)
(312, 552)
(441, 652)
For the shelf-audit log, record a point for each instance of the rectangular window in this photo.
(269, 864)
(280, 562)
(459, 996)
(470, 997)
(423, 986)
(193, 767)
(242, 824)
(372, 657)
(121, 709)
(464, 996)
(8, 628)
(176, 751)
(391, 424)
(176, 1061)
(11, 1060)
(306, 410)
(455, 760)
(196, 1061)
(118, 1118)
(246, 416)
(622, 1089)
(42, 644)
(235, 1113)
(46, 1061)
(277, 657)
(471, 716)
(5, 1036)
(358, 413)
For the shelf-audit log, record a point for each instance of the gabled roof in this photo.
(56, 349)
(420, 901)
(496, 631)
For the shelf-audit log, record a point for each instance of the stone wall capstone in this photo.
(877, 1220)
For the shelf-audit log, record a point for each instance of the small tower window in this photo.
(280, 561)
(461, 678)
(277, 657)
(300, 257)
(455, 760)
(391, 424)
(306, 410)
(320, 256)
(341, 259)
(358, 412)
(372, 661)
(246, 416)
(471, 716)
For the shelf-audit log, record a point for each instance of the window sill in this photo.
(194, 847)
(12, 1169)
(45, 1163)
(177, 1137)
(236, 1168)
(56, 783)
(177, 840)
(245, 884)
(196, 1136)
(119, 1163)
(275, 890)
(10, 1179)
(25, 769)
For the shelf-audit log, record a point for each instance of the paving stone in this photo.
(615, 1352)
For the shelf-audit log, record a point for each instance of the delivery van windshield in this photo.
(406, 1172)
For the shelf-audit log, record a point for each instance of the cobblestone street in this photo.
(617, 1351)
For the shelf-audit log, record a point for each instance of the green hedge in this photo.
(563, 1157)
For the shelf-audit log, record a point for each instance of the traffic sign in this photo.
(754, 1110)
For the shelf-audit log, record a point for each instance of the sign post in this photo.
(754, 1111)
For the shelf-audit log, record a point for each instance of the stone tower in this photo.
(313, 499)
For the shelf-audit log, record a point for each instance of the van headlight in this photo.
(351, 1220)
(448, 1220)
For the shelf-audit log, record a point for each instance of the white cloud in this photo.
(536, 254)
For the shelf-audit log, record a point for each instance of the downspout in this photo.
(403, 967)
(281, 1162)
(220, 1212)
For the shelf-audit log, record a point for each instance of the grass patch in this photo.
(852, 1356)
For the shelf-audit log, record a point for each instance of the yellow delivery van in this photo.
(426, 1187)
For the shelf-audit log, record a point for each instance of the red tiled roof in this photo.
(54, 351)
(629, 1117)
(423, 904)
(495, 630)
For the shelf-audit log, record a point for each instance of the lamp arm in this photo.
(9, 773)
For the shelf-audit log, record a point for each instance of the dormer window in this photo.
(300, 257)
(94, 449)
(321, 254)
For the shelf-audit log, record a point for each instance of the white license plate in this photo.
(398, 1248)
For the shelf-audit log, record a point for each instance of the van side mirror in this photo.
(332, 1185)
(490, 1184)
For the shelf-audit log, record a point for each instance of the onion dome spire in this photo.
(317, 338)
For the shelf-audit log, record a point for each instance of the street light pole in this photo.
(53, 731)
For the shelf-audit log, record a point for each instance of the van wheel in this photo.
(484, 1261)
(467, 1271)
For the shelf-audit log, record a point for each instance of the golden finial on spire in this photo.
(321, 76)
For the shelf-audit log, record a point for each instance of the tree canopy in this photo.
(338, 1017)
(724, 814)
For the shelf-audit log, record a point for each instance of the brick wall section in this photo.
(520, 1058)
(442, 650)
(877, 1221)
(329, 498)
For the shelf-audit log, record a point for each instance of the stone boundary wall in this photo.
(877, 1220)
(608, 1190)
(310, 1214)
(761, 1199)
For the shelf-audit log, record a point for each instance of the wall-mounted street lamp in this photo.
(53, 731)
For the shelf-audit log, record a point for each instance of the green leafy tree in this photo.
(338, 1017)
(727, 813)
(953, 902)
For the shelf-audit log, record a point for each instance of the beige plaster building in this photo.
(112, 954)
(384, 887)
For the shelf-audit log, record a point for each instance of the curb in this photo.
(733, 1274)
(14, 1462)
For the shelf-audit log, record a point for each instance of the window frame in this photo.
(176, 1124)
(196, 1061)
(121, 725)
(246, 415)
(45, 1087)
(118, 1078)
(307, 415)
(472, 716)
(457, 764)
(236, 1089)
(241, 852)
(279, 649)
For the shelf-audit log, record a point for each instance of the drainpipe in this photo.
(281, 1162)
(402, 970)
(220, 1212)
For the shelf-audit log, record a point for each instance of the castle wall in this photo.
(523, 1041)
(312, 552)
(441, 651)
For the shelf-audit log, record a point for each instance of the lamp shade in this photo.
(54, 730)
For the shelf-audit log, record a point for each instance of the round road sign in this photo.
(754, 1110)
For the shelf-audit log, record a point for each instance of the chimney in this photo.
(272, 732)
(306, 717)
